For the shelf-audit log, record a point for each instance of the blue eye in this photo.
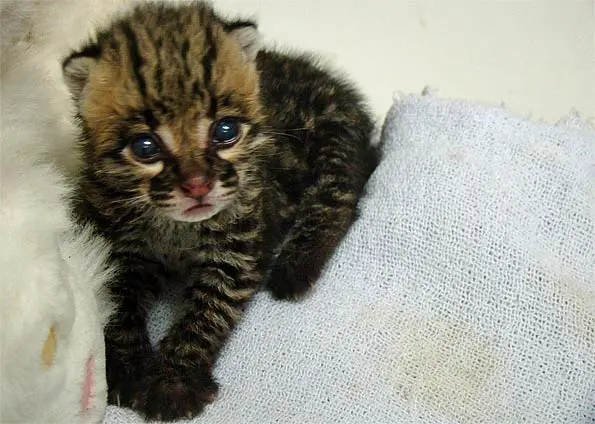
(226, 131)
(145, 147)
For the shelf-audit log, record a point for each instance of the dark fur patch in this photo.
(137, 60)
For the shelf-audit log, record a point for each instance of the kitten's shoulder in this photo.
(299, 69)
(303, 85)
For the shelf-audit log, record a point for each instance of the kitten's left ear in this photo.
(247, 35)
(76, 69)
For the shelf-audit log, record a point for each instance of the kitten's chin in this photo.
(186, 209)
(195, 213)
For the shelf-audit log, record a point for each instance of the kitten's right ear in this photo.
(76, 69)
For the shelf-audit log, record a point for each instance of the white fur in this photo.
(218, 198)
(51, 272)
(36, 37)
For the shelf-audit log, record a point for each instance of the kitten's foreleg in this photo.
(327, 209)
(182, 383)
(128, 349)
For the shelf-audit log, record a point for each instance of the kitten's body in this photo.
(222, 218)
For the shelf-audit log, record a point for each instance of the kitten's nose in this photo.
(196, 186)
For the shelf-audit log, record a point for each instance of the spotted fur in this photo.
(282, 196)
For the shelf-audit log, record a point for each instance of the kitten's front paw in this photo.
(123, 376)
(292, 280)
(171, 393)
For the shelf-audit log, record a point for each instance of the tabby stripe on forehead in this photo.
(184, 53)
(158, 74)
(201, 14)
(158, 77)
(212, 105)
(137, 60)
(209, 57)
(197, 91)
(150, 118)
(207, 63)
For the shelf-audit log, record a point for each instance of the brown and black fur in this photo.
(296, 174)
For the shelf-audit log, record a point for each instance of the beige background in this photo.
(536, 56)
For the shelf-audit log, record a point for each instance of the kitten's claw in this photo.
(122, 379)
(120, 392)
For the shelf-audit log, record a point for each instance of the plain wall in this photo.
(536, 56)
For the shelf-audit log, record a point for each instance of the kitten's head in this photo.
(168, 100)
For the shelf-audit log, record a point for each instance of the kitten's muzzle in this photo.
(196, 187)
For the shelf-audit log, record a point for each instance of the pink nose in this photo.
(196, 187)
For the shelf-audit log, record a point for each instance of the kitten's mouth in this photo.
(188, 209)
(197, 210)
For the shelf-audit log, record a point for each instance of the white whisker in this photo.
(282, 134)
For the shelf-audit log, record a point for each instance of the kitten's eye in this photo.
(145, 148)
(226, 131)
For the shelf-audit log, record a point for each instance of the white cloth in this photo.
(465, 293)
(52, 274)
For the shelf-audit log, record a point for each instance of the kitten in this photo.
(211, 162)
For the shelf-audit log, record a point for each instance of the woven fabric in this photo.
(465, 293)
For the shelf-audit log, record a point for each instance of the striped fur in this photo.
(289, 187)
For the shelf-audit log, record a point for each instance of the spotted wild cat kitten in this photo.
(214, 163)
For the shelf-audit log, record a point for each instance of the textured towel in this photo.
(465, 293)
